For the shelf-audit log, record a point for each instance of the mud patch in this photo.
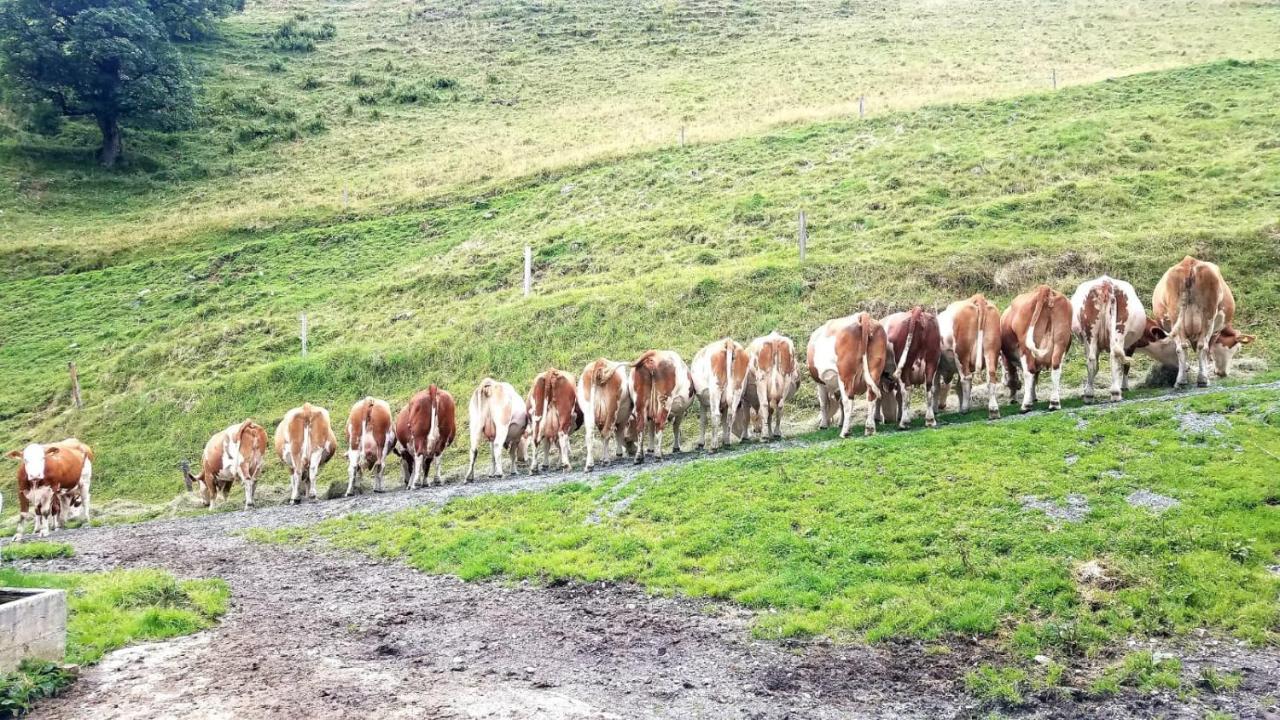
(1074, 509)
(1153, 501)
(1194, 423)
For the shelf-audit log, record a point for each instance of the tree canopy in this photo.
(116, 61)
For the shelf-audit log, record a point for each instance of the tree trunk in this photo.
(112, 141)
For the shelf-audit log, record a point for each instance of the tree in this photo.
(115, 61)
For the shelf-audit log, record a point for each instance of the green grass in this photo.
(37, 550)
(919, 535)
(21, 689)
(666, 249)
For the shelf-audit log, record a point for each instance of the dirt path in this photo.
(322, 634)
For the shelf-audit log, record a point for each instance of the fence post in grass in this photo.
(861, 109)
(344, 197)
(528, 269)
(681, 136)
(803, 232)
(302, 332)
(75, 384)
(1054, 76)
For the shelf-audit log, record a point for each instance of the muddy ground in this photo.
(318, 633)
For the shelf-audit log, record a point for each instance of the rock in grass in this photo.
(1155, 502)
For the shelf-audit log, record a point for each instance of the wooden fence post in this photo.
(681, 136)
(860, 106)
(75, 384)
(1055, 78)
(528, 269)
(803, 234)
(344, 197)
(302, 321)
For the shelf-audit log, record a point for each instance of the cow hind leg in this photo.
(824, 410)
(250, 485)
(1090, 372)
(563, 439)
(1055, 395)
(1029, 387)
(1202, 365)
(353, 474)
(904, 405)
(846, 404)
(1119, 373)
(439, 468)
(1181, 352)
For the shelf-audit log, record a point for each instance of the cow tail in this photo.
(906, 349)
(873, 384)
(1109, 313)
(980, 353)
(1043, 298)
(728, 369)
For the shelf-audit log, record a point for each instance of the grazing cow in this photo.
(498, 415)
(969, 331)
(1107, 314)
(661, 390)
(604, 391)
(305, 442)
(1042, 313)
(917, 347)
(424, 428)
(772, 383)
(554, 414)
(1193, 305)
(847, 357)
(237, 452)
(370, 438)
(720, 373)
(51, 479)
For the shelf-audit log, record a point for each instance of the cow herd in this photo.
(629, 404)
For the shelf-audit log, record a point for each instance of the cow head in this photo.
(1156, 343)
(1224, 347)
(32, 457)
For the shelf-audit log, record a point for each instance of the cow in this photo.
(661, 390)
(236, 452)
(51, 479)
(846, 357)
(969, 331)
(1192, 304)
(771, 384)
(554, 414)
(305, 441)
(370, 438)
(720, 373)
(604, 391)
(1107, 314)
(424, 428)
(498, 415)
(917, 348)
(1035, 334)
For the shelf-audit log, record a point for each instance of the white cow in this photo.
(1107, 314)
(498, 415)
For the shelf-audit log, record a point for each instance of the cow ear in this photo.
(15, 454)
(1158, 333)
(52, 450)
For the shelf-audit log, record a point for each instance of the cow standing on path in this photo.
(1035, 334)
(499, 416)
(720, 373)
(370, 438)
(969, 332)
(51, 479)
(236, 452)
(424, 428)
(304, 442)
(775, 377)
(917, 346)
(847, 357)
(604, 391)
(661, 390)
(1193, 305)
(554, 414)
(1106, 314)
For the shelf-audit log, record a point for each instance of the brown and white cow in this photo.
(554, 414)
(51, 479)
(661, 390)
(847, 357)
(720, 373)
(370, 438)
(969, 331)
(917, 347)
(1193, 305)
(604, 391)
(236, 452)
(305, 442)
(424, 428)
(775, 375)
(498, 416)
(1106, 314)
(1035, 334)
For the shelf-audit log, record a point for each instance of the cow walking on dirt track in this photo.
(370, 438)
(52, 479)
(720, 373)
(1194, 306)
(969, 331)
(1035, 333)
(238, 452)
(424, 428)
(554, 415)
(661, 390)
(917, 347)
(499, 416)
(304, 442)
(775, 377)
(846, 358)
(604, 391)
(1106, 315)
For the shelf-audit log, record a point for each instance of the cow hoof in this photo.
(868, 432)
(933, 423)
(993, 414)
(1055, 405)
(587, 468)
(1202, 383)
(903, 426)
(1025, 408)
(1116, 397)
(1086, 399)
(639, 460)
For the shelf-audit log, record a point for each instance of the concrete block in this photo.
(33, 624)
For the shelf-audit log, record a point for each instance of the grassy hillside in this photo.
(401, 100)
(670, 248)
